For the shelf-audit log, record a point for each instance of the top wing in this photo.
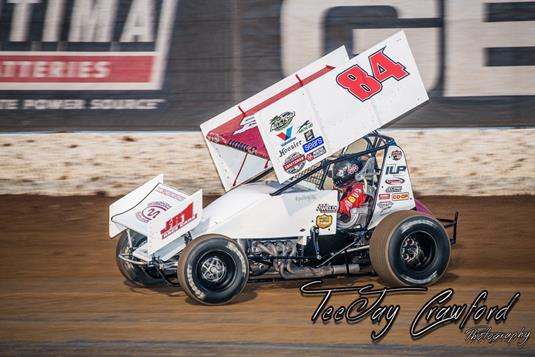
(313, 113)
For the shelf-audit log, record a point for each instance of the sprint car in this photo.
(312, 189)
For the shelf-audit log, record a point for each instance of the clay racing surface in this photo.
(61, 293)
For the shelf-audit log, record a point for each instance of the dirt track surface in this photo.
(61, 293)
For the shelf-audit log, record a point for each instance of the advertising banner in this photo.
(173, 64)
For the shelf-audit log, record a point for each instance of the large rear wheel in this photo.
(213, 270)
(410, 249)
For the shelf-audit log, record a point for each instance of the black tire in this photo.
(408, 248)
(135, 274)
(218, 285)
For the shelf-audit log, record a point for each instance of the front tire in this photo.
(410, 249)
(137, 275)
(213, 270)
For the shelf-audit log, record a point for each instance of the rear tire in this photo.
(135, 274)
(213, 270)
(410, 249)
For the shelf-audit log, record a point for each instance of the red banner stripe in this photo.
(75, 69)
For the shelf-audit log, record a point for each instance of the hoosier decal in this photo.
(289, 148)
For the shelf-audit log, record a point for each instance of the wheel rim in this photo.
(417, 250)
(215, 270)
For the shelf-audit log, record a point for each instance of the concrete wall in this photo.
(441, 161)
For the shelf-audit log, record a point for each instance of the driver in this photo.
(352, 192)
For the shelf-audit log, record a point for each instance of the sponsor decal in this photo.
(384, 196)
(294, 163)
(403, 196)
(326, 208)
(311, 145)
(152, 211)
(395, 170)
(316, 153)
(385, 205)
(169, 193)
(281, 121)
(214, 137)
(393, 189)
(286, 135)
(394, 181)
(41, 49)
(305, 126)
(396, 155)
(324, 221)
(309, 135)
(180, 220)
(287, 149)
(246, 124)
(306, 198)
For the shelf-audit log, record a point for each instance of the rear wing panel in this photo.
(126, 204)
(157, 211)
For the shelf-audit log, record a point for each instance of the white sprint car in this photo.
(342, 201)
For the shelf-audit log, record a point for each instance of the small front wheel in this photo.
(213, 270)
(410, 249)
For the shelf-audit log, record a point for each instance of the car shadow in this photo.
(252, 287)
(178, 292)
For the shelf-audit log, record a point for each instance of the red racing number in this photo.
(383, 67)
(359, 83)
(363, 86)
